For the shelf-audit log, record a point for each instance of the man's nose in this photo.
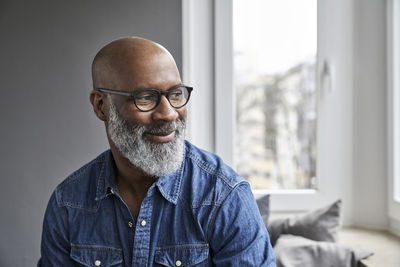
(164, 111)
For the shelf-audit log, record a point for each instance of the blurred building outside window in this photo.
(275, 55)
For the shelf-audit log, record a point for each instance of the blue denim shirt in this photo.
(204, 214)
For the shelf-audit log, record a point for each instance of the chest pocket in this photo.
(94, 256)
(182, 255)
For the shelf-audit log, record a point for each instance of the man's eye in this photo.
(176, 94)
(146, 97)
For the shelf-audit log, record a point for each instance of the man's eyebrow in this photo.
(142, 88)
(178, 84)
(145, 87)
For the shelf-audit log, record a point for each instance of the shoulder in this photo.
(208, 180)
(78, 190)
(212, 164)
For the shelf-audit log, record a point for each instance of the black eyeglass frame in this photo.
(133, 94)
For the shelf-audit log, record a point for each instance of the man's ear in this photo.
(97, 101)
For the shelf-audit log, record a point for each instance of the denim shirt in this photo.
(203, 214)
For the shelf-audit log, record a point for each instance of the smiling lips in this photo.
(161, 137)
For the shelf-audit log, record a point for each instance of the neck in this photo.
(128, 177)
(132, 183)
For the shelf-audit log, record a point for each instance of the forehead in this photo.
(156, 70)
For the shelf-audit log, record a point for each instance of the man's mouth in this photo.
(160, 137)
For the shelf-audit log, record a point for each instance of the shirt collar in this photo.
(168, 185)
(106, 183)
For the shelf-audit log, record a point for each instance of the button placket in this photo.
(141, 248)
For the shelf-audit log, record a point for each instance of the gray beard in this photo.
(154, 159)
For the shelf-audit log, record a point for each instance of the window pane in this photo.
(275, 48)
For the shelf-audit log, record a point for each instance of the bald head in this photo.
(122, 61)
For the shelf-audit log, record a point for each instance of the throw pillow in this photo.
(319, 225)
(263, 206)
(293, 251)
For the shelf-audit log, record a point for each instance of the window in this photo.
(274, 66)
(208, 65)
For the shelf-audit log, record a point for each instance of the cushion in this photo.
(263, 206)
(293, 251)
(319, 225)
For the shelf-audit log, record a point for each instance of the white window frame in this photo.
(393, 112)
(215, 133)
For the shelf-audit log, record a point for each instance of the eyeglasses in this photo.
(148, 99)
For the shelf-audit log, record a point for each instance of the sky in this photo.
(270, 36)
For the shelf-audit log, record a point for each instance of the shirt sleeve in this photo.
(55, 247)
(239, 236)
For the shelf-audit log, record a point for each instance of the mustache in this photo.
(177, 125)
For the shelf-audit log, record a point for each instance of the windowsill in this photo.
(383, 244)
(261, 192)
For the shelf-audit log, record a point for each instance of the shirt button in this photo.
(97, 263)
(178, 263)
(143, 223)
(112, 191)
(130, 224)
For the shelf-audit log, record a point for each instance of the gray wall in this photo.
(48, 128)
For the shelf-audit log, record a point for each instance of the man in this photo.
(153, 199)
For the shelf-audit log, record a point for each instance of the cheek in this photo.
(138, 117)
(182, 113)
(130, 113)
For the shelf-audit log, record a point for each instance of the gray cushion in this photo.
(320, 225)
(293, 251)
(263, 206)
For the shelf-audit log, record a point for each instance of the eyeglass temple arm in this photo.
(114, 92)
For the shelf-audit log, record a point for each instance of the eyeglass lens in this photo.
(148, 99)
